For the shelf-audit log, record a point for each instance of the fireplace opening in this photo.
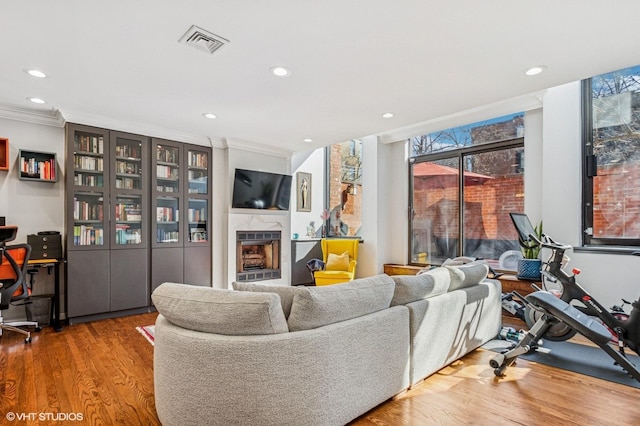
(258, 255)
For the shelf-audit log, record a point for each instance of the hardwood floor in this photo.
(103, 372)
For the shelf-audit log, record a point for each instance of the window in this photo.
(611, 133)
(464, 182)
(344, 189)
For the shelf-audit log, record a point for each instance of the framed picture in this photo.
(303, 194)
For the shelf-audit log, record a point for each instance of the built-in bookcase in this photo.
(138, 214)
(108, 222)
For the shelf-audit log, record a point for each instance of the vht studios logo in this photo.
(52, 417)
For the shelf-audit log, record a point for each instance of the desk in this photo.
(52, 263)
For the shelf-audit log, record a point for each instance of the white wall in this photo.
(247, 219)
(33, 206)
(308, 162)
(608, 277)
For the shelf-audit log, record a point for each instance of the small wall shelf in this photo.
(4, 154)
(38, 166)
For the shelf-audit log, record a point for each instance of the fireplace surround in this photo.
(258, 255)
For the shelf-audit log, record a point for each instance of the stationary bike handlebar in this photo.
(549, 243)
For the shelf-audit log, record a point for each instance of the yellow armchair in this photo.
(340, 257)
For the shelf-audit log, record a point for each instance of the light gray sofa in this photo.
(267, 355)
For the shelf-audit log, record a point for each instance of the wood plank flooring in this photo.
(103, 372)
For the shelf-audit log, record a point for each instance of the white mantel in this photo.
(265, 221)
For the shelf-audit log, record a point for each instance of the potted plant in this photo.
(529, 267)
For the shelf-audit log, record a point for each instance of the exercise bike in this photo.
(552, 317)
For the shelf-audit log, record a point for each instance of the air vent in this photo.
(202, 39)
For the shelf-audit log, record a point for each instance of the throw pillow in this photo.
(314, 307)
(337, 262)
(212, 310)
(468, 274)
(285, 292)
(410, 288)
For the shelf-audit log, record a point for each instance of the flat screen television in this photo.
(261, 190)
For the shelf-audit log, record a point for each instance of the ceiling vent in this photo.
(202, 39)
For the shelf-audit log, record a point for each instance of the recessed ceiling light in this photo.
(37, 100)
(36, 73)
(307, 140)
(535, 70)
(388, 115)
(209, 115)
(280, 71)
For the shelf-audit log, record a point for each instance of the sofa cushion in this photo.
(337, 262)
(468, 274)
(317, 306)
(220, 311)
(285, 293)
(410, 288)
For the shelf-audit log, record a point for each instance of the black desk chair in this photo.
(13, 279)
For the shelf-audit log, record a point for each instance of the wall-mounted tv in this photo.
(261, 190)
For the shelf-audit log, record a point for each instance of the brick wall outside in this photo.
(616, 201)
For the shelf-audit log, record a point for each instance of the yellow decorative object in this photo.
(341, 250)
(337, 262)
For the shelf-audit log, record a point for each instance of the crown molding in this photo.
(509, 106)
(51, 117)
(256, 147)
(137, 128)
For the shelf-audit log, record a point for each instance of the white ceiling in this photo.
(119, 63)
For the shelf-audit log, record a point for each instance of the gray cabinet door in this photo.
(129, 278)
(88, 289)
(167, 265)
(197, 265)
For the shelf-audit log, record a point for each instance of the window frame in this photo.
(588, 241)
(458, 153)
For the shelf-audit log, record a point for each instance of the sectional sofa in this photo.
(277, 355)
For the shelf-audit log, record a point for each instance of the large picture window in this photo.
(611, 133)
(464, 183)
(344, 189)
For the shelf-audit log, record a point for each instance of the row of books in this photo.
(88, 163)
(166, 172)
(125, 167)
(30, 167)
(84, 210)
(88, 236)
(167, 155)
(127, 183)
(81, 179)
(130, 151)
(167, 214)
(167, 236)
(89, 143)
(197, 159)
(126, 235)
(167, 188)
(196, 215)
(129, 212)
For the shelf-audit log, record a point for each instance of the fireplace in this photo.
(257, 255)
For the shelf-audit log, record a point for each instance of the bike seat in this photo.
(582, 323)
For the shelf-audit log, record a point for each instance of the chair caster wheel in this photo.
(38, 328)
(27, 340)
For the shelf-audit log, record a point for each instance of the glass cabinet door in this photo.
(88, 186)
(198, 220)
(197, 165)
(129, 191)
(167, 194)
(128, 218)
(88, 219)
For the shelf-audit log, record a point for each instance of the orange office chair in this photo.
(340, 257)
(13, 282)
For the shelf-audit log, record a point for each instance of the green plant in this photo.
(533, 251)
